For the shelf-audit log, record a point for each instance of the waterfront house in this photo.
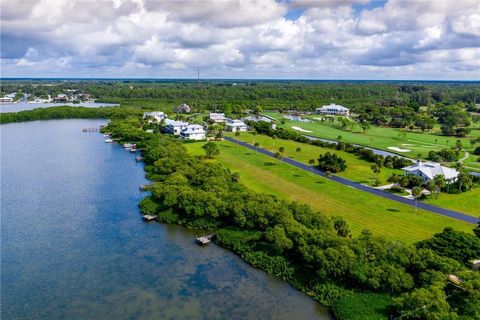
(333, 109)
(217, 117)
(155, 116)
(61, 98)
(6, 100)
(183, 108)
(193, 132)
(235, 125)
(175, 127)
(429, 170)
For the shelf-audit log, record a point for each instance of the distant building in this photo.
(183, 108)
(333, 109)
(175, 127)
(193, 132)
(6, 100)
(217, 117)
(156, 116)
(235, 125)
(429, 170)
(61, 98)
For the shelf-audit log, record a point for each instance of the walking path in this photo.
(441, 211)
(465, 156)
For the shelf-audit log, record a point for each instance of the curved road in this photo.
(442, 211)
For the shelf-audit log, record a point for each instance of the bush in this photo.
(477, 151)
(331, 162)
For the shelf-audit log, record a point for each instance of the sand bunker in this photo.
(303, 130)
(398, 149)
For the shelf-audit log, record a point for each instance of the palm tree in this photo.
(439, 182)
(431, 186)
(394, 178)
(416, 192)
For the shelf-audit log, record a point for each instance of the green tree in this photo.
(311, 162)
(416, 192)
(440, 182)
(476, 230)
(278, 156)
(341, 226)
(331, 162)
(281, 149)
(365, 125)
(211, 149)
(424, 304)
(299, 149)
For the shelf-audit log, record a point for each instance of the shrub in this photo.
(331, 162)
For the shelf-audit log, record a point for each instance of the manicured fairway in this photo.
(379, 137)
(362, 210)
(358, 170)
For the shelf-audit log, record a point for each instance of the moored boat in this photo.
(108, 141)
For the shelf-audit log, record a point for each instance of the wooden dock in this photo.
(90, 129)
(149, 217)
(206, 239)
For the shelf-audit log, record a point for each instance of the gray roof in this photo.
(432, 169)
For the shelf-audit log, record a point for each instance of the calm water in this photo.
(74, 246)
(15, 107)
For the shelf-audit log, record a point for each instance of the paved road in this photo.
(441, 211)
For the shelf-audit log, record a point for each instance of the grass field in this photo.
(379, 137)
(362, 210)
(467, 202)
(358, 170)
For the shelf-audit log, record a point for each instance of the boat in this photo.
(206, 239)
(108, 141)
(138, 158)
(106, 135)
(133, 149)
(127, 145)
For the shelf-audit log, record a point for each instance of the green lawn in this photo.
(358, 170)
(362, 210)
(378, 137)
(467, 202)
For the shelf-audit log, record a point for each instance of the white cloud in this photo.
(233, 38)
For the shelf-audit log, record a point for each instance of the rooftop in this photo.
(432, 169)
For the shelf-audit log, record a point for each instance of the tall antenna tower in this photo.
(198, 74)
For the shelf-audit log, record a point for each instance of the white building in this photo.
(218, 117)
(183, 108)
(193, 132)
(6, 100)
(175, 127)
(429, 170)
(333, 109)
(235, 125)
(156, 116)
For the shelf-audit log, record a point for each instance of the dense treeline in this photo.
(315, 253)
(235, 96)
(66, 112)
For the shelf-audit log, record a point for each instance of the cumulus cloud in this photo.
(241, 38)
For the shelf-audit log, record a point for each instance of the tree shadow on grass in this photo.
(319, 182)
(393, 210)
(268, 164)
(248, 153)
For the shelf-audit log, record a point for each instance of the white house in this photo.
(157, 116)
(183, 108)
(193, 132)
(235, 125)
(6, 100)
(333, 109)
(429, 170)
(218, 117)
(175, 127)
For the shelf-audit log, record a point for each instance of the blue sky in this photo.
(291, 39)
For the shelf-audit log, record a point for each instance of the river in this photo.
(24, 105)
(74, 245)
